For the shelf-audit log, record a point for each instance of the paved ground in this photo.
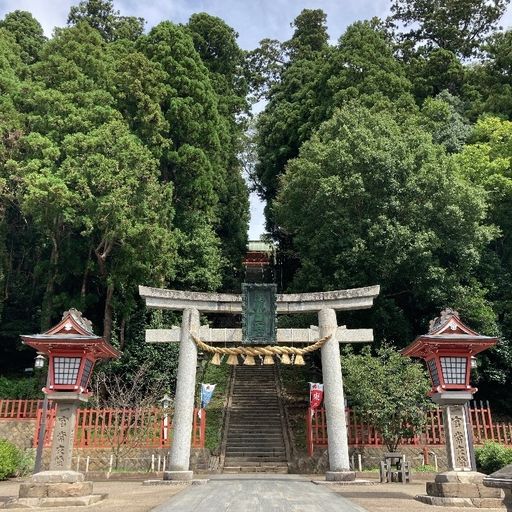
(254, 493)
(280, 493)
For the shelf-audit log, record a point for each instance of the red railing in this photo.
(104, 428)
(363, 434)
(19, 409)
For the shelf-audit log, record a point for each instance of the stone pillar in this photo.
(459, 446)
(63, 434)
(457, 438)
(184, 400)
(334, 400)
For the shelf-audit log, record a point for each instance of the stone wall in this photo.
(19, 432)
(370, 458)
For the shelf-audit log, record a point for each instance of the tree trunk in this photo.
(107, 318)
(122, 329)
(47, 305)
(102, 252)
(83, 289)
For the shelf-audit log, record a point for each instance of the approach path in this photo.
(265, 493)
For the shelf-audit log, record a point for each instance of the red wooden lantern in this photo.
(447, 349)
(73, 349)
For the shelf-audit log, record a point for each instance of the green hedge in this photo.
(10, 459)
(492, 456)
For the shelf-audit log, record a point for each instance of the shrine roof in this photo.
(73, 332)
(448, 332)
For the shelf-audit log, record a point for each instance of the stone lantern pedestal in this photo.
(72, 349)
(55, 489)
(461, 486)
(60, 486)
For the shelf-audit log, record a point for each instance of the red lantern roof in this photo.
(448, 333)
(73, 332)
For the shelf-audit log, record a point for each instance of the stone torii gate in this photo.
(325, 304)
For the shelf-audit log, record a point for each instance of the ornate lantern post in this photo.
(449, 349)
(72, 349)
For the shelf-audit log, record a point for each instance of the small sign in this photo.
(259, 314)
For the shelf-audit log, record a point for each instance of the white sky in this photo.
(253, 20)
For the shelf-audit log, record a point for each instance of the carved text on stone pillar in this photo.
(459, 438)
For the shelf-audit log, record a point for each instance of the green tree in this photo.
(487, 86)
(125, 212)
(487, 162)
(289, 118)
(196, 162)
(371, 199)
(389, 391)
(362, 65)
(442, 117)
(459, 26)
(27, 32)
(217, 46)
(433, 72)
(101, 15)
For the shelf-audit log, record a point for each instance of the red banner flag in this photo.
(316, 394)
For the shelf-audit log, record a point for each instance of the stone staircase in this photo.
(254, 439)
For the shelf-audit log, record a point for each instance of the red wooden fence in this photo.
(103, 428)
(19, 409)
(363, 434)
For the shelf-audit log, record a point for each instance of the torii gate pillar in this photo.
(334, 400)
(184, 401)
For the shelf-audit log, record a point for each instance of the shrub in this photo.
(426, 468)
(21, 387)
(9, 459)
(492, 456)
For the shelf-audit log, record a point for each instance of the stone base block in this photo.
(77, 501)
(48, 477)
(462, 489)
(55, 490)
(340, 476)
(441, 501)
(182, 476)
(457, 490)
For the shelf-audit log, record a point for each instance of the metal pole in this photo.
(42, 429)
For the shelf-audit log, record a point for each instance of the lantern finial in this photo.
(444, 317)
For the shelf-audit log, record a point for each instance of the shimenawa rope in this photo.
(268, 352)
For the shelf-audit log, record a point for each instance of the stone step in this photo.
(255, 455)
(241, 444)
(254, 420)
(262, 469)
(248, 440)
(248, 418)
(251, 428)
(253, 458)
(242, 451)
(255, 438)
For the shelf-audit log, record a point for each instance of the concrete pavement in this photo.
(258, 493)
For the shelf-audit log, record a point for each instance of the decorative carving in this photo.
(444, 317)
(459, 438)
